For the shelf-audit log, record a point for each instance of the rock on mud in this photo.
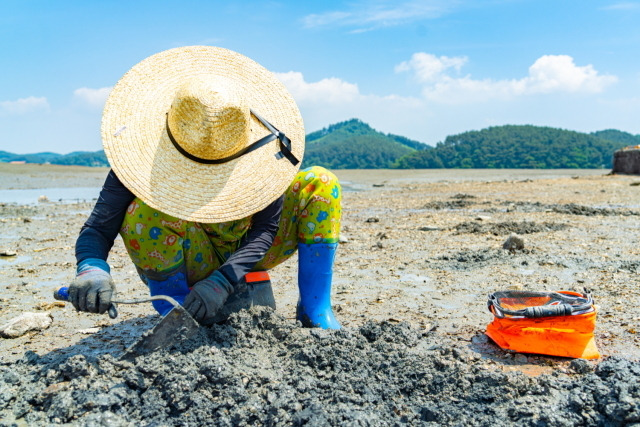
(24, 323)
(513, 243)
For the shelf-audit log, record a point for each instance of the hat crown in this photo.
(209, 118)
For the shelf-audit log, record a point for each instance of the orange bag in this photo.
(551, 323)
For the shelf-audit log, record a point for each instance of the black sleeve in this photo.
(255, 243)
(101, 229)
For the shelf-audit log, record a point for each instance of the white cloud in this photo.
(332, 100)
(93, 97)
(430, 68)
(549, 74)
(558, 73)
(330, 90)
(24, 105)
(369, 15)
(623, 6)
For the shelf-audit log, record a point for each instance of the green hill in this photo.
(29, 158)
(355, 145)
(520, 147)
(79, 158)
(618, 136)
(83, 158)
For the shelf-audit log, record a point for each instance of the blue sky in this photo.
(422, 69)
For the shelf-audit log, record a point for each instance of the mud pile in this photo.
(261, 369)
(567, 209)
(508, 227)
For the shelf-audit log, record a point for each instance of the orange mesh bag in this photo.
(551, 323)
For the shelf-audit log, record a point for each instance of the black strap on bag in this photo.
(558, 304)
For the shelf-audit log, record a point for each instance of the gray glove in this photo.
(93, 287)
(207, 297)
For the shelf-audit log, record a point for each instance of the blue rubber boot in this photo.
(173, 284)
(315, 271)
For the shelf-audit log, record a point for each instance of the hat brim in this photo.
(142, 156)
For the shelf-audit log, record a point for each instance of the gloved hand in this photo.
(207, 297)
(93, 287)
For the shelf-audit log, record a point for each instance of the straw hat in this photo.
(175, 126)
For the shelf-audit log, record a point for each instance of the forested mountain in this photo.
(78, 158)
(524, 146)
(355, 145)
(614, 135)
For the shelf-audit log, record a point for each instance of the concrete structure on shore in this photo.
(627, 160)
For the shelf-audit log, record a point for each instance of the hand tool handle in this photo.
(62, 294)
(548, 310)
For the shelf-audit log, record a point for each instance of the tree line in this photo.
(526, 146)
(353, 144)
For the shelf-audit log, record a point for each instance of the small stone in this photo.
(343, 239)
(43, 199)
(46, 306)
(581, 366)
(480, 339)
(8, 252)
(24, 323)
(520, 358)
(428, 228)
(513, 242)
(373, 219)
(56, 388)
(89, 331)
(321, 334)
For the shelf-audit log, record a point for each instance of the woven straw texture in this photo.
(144, 159)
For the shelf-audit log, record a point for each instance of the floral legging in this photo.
(155, 241)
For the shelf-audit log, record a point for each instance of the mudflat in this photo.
(421, 251)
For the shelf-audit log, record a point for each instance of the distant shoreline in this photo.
(36, 176)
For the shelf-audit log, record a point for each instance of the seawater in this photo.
(59, 195)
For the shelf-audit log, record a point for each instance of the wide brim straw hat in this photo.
(177, 125)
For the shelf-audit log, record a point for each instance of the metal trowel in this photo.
(175, 326)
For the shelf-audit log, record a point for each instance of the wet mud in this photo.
(260, 369)
(505, 228)
(569, 209)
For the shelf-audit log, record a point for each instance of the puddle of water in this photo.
(415, 278)
(57, 281)
(421, 284)
(7, 260)
(454, 302)
(348, 186)
(449, 305)
(64, 195)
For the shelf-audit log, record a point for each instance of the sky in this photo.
(421, 69)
